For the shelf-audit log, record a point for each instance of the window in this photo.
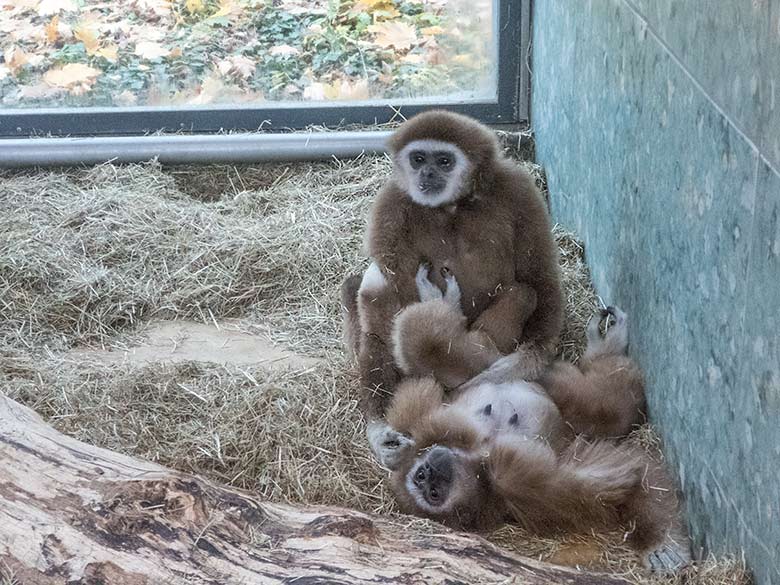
(113, 67)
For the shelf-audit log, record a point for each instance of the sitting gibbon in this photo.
(454, 201)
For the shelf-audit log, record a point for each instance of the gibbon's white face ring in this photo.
(455, 178)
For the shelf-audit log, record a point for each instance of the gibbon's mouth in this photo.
(431, 187)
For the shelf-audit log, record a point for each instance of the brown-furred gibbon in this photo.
(457, 205)
(541, 454)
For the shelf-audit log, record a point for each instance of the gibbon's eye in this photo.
(434, 493)
(420, 475)
(417, 158)
(445, 161)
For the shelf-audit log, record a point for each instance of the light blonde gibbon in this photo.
(542, 454)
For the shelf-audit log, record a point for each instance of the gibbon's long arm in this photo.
(530, 309)
(390, 245)
(504, 320)
(536, 265)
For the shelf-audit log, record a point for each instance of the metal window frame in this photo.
(510, 105)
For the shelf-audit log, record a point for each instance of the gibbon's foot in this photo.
(615, 327)
(428, 291)
(425, 288)
(452, 295)
(386, 443)
(670, 557)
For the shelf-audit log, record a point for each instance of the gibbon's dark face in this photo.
(434, 172)
(432, 168)
(432, 477)
(440, 481)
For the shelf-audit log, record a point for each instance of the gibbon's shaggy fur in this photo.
(542, 455)
(455, 204)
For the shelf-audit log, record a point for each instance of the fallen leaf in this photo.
(109, 52)
(224, 66)
(20, 4)
(194, 6)
(25, 31)
(357, 90)
(52, 7)
(295, 7)
(38, 91)
(344, 90)
(87, 36)
(175, 53)
(315, 92)
(227, 9)
(210, 90)
(154, 7)
(237, 65)
(151, 50)
(371, 5)
(384, 9)
(432, 30)
(244, 66)
(15, 59)
(52, 29)
(398, 35)
(77, 78)
(284, 50)
(147, 32)
(126, 98)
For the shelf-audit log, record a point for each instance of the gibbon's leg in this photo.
(377, 305)
(349, 316)
(604, 396)
(430, 338)
(655, 521)
(583, 490)
(504, 319)
(413, 400)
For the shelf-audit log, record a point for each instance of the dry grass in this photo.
(87, 255)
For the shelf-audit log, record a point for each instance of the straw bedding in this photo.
(88, 257)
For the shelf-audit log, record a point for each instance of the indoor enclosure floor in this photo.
(190, 316)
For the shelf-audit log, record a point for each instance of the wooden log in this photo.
(71, 513)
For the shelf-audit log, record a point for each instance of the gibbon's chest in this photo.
(476, 247)
(517, 410)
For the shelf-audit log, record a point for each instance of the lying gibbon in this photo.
(541, 455)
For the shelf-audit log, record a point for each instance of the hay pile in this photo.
(88, 256)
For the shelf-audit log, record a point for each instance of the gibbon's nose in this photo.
(427, 173)
(440, 464)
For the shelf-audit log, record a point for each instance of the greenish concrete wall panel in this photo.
(721, 44)
(673, 202)
(759, 407)
(770, 74)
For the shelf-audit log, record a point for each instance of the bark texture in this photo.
(72, 514)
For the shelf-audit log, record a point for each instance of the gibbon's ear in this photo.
(414, 401)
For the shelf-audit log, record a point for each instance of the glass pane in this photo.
(81, 53)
